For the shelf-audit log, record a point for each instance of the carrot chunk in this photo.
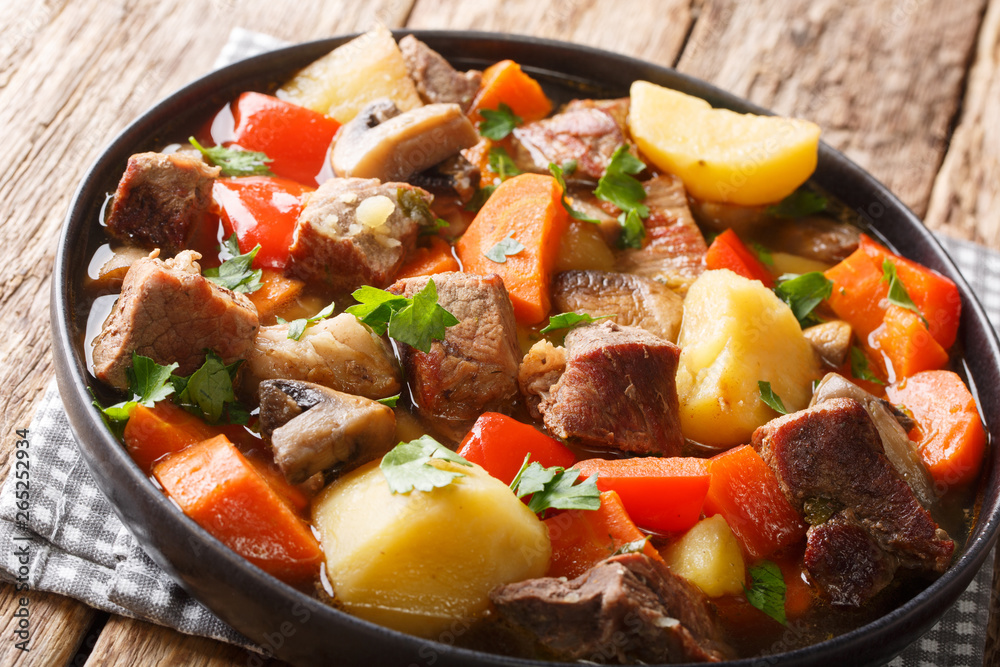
(499, 444)
(949, 434)
(221, 491)
(906, 344)
(428, 260)
(276, 293)
(527, 208)
(661, 494)
(747, 495)
(152, 433)
(582, 538)
(505, 82)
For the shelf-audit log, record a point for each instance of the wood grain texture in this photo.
(882, 78)
(965, 201)
(625, 26)
(126, 641)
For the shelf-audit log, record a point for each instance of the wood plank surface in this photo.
(885, 79)
(965, 201)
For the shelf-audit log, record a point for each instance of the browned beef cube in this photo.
(474, 369)
(589, 136)
(617, 392)
(625, 609)
(355, 232)
(846, 561)
(436, 80)
(617, 108)
(674, 250)
(633, 300)
(832, 453)
(160, 198)
(167, 311)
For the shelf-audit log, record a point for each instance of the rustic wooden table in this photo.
(910, 89)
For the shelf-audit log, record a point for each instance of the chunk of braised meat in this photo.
(339, 353)
(587, 135)
(382, 143)
(832, 454)
(625, 609)
(355, 232)
(617, 108)
(632, 300)
(454, 176)
(435, 78)
(474, 369)
(168, 312)
(540, 368)
(617, 392)
(673, 252)
(314, 428)
(847, 561)
(823, 239)
(160, 199)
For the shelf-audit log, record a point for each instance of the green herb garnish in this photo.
(502, 163)
(770, 398)
(406, 467)
(236, 273)
(798, 205)
(389, 400)
(148, 382)
(634, 547)
(508, 246)
(498, 124)
(556, 488)
(860, 368)
(767, 590)
(208, 392)
(763, 254)
(803, 293)
(557, 173)
(235, 161)
(570, 321)
(416, 321)
(898, 296)
(617, 186)
(297, 327)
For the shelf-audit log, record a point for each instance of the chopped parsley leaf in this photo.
(406, 467)
(498, 124)
(235, 161)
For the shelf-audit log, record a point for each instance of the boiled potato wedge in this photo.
(420, 561)
(710, 557)
(722, 156)
(342, 82)
(734, 333)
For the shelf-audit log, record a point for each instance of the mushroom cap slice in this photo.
(313, 428)
(395, 148)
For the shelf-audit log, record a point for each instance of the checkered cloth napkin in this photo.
(73, 543)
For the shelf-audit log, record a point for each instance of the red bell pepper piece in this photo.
(660, 494)
(296, 139)
(747, 495)
(949, 435)
(729, 252)
(261, 209)
(499, 444)
(582, 538)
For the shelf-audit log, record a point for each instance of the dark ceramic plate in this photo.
(302, 630)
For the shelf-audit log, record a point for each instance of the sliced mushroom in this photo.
(313, 428)
(898, 448)
(831, 340)
(393, 147)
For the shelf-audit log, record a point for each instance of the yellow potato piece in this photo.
(423, 561)
(722, 156)
(342, 82)
(734, 333)
(710, 557)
